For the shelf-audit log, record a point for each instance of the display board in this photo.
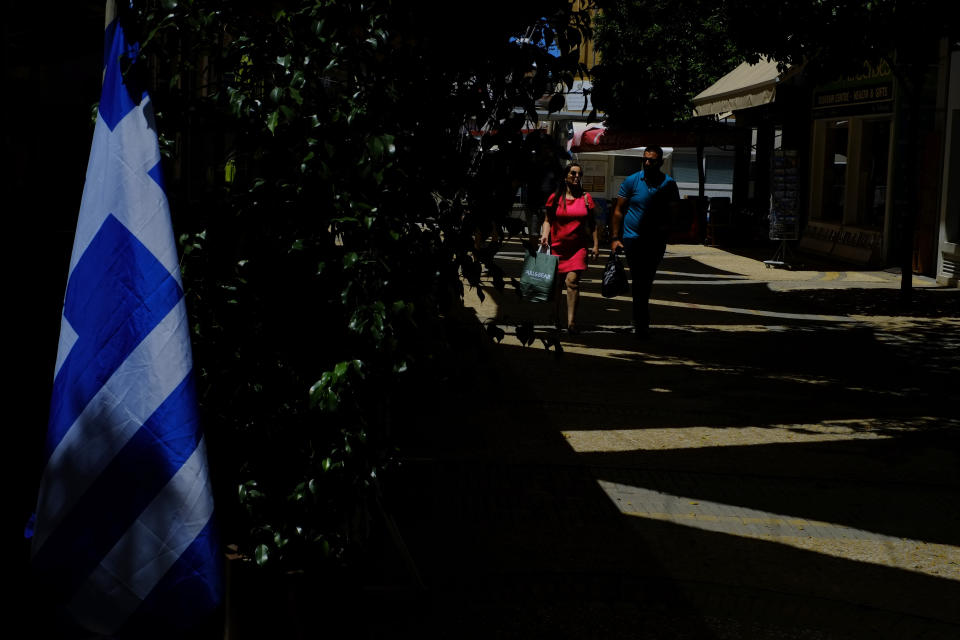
(785, 200)
(594, 176)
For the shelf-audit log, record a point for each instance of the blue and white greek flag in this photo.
(124, 526)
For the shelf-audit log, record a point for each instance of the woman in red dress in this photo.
(570, 230)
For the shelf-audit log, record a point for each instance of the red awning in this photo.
(599, 138)
(586, 137)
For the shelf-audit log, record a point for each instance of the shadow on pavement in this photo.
(933, 302)
(754, 473)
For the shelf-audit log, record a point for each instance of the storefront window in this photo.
(720, 169)
(872, 181)
(685, 168)
(835, 170)
(953, 189)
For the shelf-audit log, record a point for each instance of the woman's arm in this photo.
(545, 233)
(592, 225)
(550, 211)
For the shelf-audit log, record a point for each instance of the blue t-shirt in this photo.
(647, 207)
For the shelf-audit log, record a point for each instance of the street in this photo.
(779, 459)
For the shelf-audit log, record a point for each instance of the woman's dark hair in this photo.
(560, 195)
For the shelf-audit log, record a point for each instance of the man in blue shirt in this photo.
(639, 225)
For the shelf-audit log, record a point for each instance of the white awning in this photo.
(749, 85)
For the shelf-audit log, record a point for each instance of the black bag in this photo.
(537, 281)
(614, 277)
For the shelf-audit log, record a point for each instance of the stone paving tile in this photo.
(839, 540)
(808, 517)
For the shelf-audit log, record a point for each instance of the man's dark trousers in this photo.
(643, 258)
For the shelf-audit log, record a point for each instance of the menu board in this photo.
(784, 199)
(594, 176)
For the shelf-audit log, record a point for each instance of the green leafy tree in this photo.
(655, 56)
(328, 181)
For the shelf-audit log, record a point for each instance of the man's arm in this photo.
(674, 195)
(616, 224)
(669, 208)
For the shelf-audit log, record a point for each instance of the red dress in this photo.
(570, 235)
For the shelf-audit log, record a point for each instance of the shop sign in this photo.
(873, 84)
(853, 96)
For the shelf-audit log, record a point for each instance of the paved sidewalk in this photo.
(781, 459)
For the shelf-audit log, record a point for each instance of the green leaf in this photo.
(305, 163)
(557, 102)
(552, 340)
(272, 120)
(261, 554)
(237, 100)
(284, 61)
(299, 492)
(525, 333)
(495, 332)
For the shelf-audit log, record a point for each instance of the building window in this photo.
(872, 173)
(850, 172)
(952, 219)
(834, 179)
(685, 168)
(720, 169)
